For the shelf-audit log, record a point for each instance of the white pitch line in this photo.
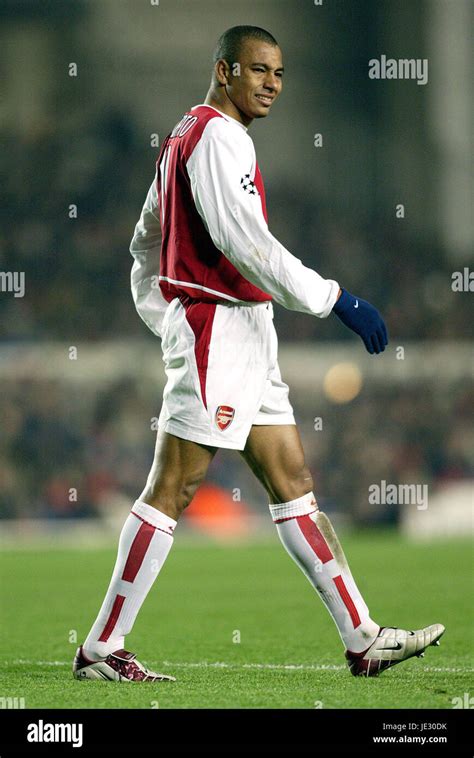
(200, 664)
(277, 666)
(462, 670)
(258, 666)
(23, 662)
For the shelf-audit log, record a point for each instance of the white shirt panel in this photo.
(234, 219)
(145, 248)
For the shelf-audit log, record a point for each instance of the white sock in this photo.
(300, 526)
(144, 544)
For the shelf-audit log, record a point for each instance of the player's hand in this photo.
(363, 319)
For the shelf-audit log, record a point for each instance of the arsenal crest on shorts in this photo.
(224, 416)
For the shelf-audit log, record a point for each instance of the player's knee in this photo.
(171, 495)
(294, 484)
(306, 482)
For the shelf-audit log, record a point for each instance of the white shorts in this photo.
(223, 374)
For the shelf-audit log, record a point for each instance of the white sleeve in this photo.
(145, 247)
(232, 213)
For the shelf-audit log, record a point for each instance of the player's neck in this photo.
(218, 98)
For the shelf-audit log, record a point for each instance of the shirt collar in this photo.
(229, 118)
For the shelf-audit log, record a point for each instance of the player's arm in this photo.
(237, 226)
(145, 248)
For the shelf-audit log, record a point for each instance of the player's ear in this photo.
(222, 72)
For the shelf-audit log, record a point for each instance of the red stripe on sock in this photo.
(137, 551)
(290, 518)
(315, 538)
(112, 620)
(347, 600)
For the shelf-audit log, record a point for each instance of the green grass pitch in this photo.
(209, 596)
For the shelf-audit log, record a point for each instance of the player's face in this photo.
(254, 88)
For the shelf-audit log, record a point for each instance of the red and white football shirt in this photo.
(203, 232)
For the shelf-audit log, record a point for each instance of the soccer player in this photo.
(206, 272)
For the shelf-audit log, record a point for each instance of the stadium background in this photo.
(81, 377)
(86, 423)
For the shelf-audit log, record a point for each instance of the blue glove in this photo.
(363, 319)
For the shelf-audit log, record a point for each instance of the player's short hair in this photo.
(230, 43)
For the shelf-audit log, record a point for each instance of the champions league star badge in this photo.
(224, 416)
(248, 185)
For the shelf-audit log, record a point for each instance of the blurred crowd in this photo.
(69, 453)
(75, 452)
(70, 198)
